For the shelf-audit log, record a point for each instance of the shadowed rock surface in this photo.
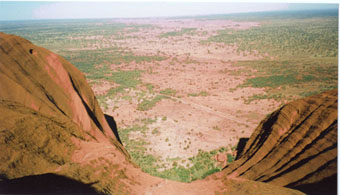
(296, 146)
(240, 146)
(45, 184)
(50, 123)
(113, 125)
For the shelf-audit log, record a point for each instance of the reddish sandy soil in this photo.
(208, 122)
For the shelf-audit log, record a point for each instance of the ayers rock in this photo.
(54, 138)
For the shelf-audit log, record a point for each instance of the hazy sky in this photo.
(57, 10)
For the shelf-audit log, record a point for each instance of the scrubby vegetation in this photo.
(290, 78)
(203, 165)
(148, 104)
(87, 60)
(168, 91)
(202, 93)
(183, 31)
(299, 53)
(281, 34)
(297, 37)
(198, 166)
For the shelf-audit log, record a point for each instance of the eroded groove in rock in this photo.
(301, 144)
(89, 111)
(306, 153)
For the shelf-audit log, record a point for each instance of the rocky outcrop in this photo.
(296, 146)
(52, 129)
(48, 84)
(49, 117)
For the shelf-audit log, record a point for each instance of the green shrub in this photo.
(202, 93)
(168, 91)
(155, 131)
(230, 158)
(150, 87)
(148, 104)
(148, 121)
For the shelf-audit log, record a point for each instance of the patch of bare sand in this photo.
(101, 88)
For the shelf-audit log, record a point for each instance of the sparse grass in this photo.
(127, 79)
(202, 167)
(168, 91)
(150, 87)
(148, 121)
(148, 104)
(183, 31)
(173, 159)
(102, 102)
(263, 96)
(305, 51)
(309, 93)
(202, 164)
(202, 93)
(155, 131)
(86, 60)
(127, 97)
(276, 80)
(284, 79)
(114, 91)
(314, 37)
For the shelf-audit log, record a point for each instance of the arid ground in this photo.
(195, 78)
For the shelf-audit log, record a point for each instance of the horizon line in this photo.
(169, 17)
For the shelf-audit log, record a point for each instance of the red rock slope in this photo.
(296, 146)
(54, 137)
(47, 83)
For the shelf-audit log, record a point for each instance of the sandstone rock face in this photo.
(50, 85)
(47, 113)
(55, 138)
(295, 146)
